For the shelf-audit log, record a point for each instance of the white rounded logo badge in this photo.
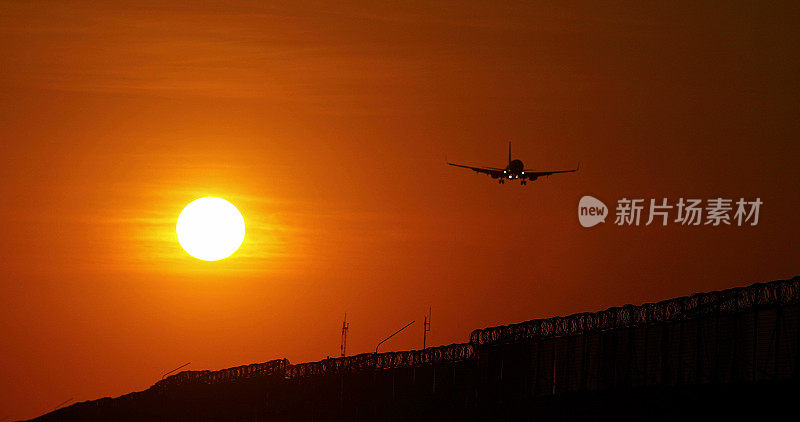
(591, 211)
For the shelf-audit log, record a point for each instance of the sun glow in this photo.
(210, 229)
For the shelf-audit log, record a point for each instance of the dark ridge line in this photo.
(778, 292)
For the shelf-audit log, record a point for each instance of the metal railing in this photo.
(273, 367)
(774, 293)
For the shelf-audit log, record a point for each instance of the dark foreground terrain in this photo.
(729, 355)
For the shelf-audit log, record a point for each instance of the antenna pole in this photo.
(395, 333)
(343, 345)
(426, 327)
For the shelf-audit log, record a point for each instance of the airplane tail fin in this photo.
(509, 152)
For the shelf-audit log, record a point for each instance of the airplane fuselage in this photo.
(515, 169)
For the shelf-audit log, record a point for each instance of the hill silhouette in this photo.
(731, 353)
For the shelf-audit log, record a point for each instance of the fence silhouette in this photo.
(735, 334)
(743, 341)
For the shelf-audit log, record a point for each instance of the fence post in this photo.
(755, 345)
(778, 323)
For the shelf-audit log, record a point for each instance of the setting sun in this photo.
(210, 229)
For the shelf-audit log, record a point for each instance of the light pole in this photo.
(395, 333)
(169, 372)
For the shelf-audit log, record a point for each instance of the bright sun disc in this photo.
(210, 229)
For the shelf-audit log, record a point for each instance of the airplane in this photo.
(515, 170)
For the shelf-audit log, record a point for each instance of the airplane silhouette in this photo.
(515, 170)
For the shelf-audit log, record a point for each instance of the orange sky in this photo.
(327, 126)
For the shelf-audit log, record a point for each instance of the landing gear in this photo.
(523, 182)
(502, 181)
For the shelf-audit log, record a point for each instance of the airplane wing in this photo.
(546, 173)
(492, 171)
(534, 173)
